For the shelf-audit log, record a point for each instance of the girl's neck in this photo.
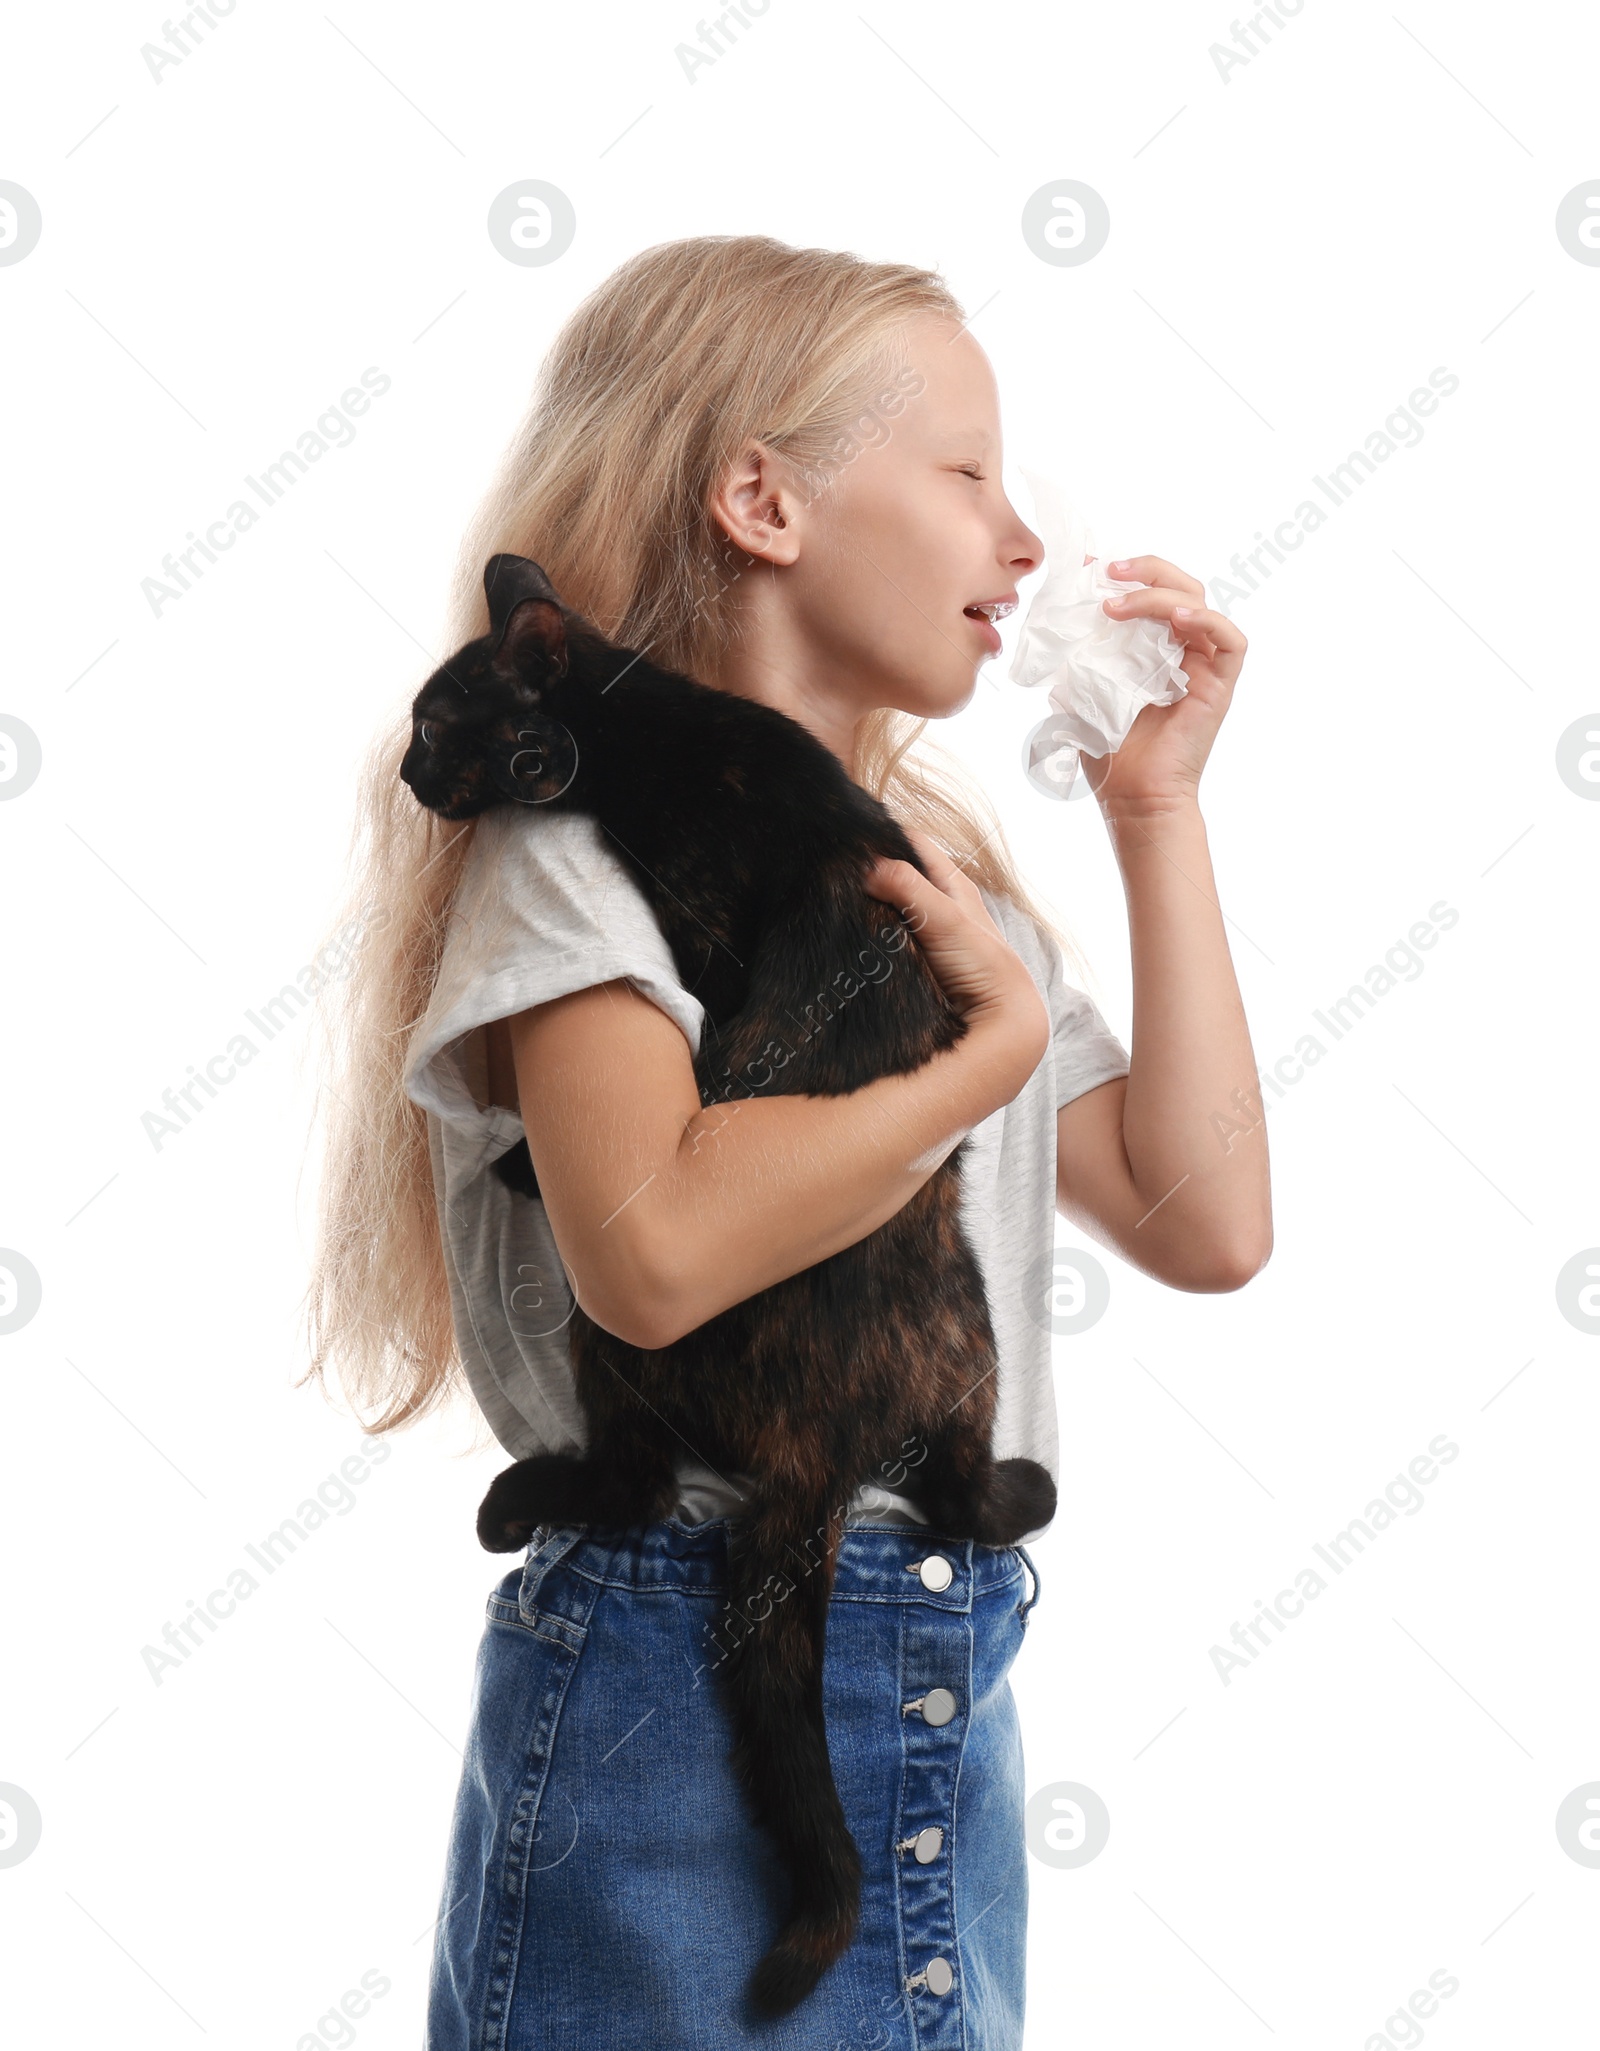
(802, 689)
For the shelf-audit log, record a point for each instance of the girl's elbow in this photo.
(638, 1323)
(661, 1320)
(649, 1313)
(1228, 1264)
(1209, 1263)
(641, 1297)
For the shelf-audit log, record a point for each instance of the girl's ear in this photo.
(534, 638)
(757, 508)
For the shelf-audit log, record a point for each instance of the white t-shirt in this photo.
(546, 907)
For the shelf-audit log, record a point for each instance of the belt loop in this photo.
(1027, 1560)
(549, 1545)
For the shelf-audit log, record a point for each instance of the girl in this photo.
(778, 470)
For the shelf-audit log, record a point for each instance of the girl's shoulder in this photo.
(564, 860)
(1034, 943)
(1083, 1048)
(545, 906)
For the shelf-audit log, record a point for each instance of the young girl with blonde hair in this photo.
(714, 471)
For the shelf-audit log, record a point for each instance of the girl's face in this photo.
(878, 576)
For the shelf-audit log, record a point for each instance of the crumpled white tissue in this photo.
(1102, 672)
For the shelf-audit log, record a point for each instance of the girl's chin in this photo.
(930, 697)
(957, 697)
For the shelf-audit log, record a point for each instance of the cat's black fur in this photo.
(751, 843)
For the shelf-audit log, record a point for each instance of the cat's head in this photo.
(484, 727)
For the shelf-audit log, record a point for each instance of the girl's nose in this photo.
(1031, 551)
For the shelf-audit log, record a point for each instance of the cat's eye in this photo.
(427, 733)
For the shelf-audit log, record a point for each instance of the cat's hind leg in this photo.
(625, 1480)
(967, 1493)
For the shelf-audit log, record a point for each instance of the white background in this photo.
(1292, 251)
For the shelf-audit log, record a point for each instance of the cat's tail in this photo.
(780, 1570)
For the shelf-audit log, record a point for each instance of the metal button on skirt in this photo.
(604, 1883)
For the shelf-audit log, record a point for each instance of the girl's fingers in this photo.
(900, 880)
(1188, 622)
(945, 891)
(949, 875)
(928, 848)
(1155, 569)
(895, 882)
(916, 897)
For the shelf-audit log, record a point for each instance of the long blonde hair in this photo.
(655, 385)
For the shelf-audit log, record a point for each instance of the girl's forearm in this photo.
(765, 1186)
(1191, 1120)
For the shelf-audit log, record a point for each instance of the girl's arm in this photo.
(667, 1212)
(1169, 1165)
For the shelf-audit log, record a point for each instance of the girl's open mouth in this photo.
(986, 612)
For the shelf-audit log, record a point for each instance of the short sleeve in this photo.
(1086, 1051)
(545, 907)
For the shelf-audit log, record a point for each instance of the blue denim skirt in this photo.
(604, 1885)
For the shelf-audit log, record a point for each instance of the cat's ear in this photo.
(509, 580)
(535, 638)
(525, 615)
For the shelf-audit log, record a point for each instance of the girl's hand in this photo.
(1157, 768)
(984, 977)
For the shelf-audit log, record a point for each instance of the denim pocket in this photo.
(501, 1606)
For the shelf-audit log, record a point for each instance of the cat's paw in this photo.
(1020, 1498)
(514, 1508)
(497, 1533)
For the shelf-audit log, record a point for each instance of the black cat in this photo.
(751, 843)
